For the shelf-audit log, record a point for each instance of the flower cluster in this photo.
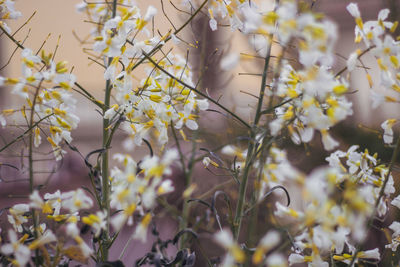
(228, 10)
(45, 86)
(315, 102)
(136, 187)
(312, 96)
(235, 255)
(336, 205)
(61, 208)
(276, 169)
(159, 100)
(7, 11)
(338, 202)
(377, 36)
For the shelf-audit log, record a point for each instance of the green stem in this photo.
(105, 162)
(242, 190)
(188, 180)
(31, 167)
(251, 148)
(178, 145)
(104, 173)
(263, 84)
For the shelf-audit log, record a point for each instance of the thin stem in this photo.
(105, 189)
(126, 246)
(359, 56)
(251, 149)
(178, 145)
(24, 133)
(12, 38)
(263, 83)
(155, 49)
(242, 190)
(187, 183)
(197, 91)
(30, 159)
(89, 96)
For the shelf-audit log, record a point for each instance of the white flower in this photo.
(96, 221)
(395, 227)
(276, 260)
(38, 139)
(226, 240)
(229, 61)
(327, 140)
(213, 24)
(54, 200)
(353, 10)
(38, 203)
(141, 230)
(372, 254)
(111, 112)
(206, 161)
(21, 252)
(73, 231)
(150, 13)
(17, 216)
(3, 121)
(165, 187)
(282, 211)
(313, 260)
(388, 131)
(45, 238)
(76, 200)
(269, 241)
(81, 6)
(396, 202)
(352, 61)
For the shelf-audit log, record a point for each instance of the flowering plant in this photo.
(157, 99)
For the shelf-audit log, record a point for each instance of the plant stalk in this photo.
(105, 162)
(251, 148)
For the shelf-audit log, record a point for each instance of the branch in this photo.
(195, 90)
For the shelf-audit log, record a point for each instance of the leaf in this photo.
(75, 253)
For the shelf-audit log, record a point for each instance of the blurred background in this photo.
(60, 19)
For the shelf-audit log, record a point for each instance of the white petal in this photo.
(213, 24)
(229, 62)
(353, 10)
